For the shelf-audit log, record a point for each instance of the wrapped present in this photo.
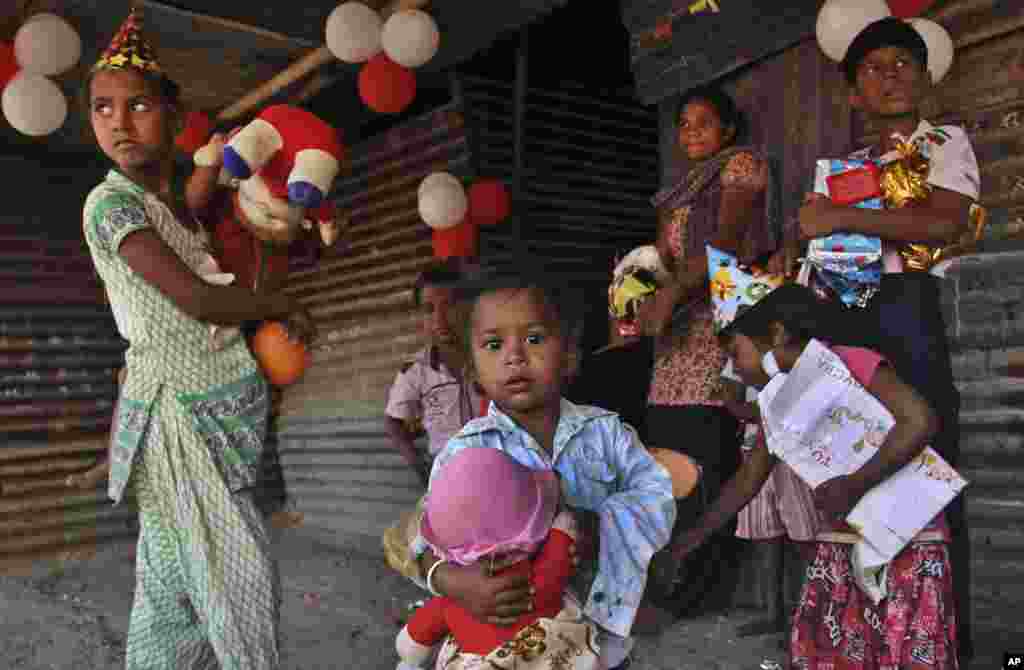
(848, 264)
(824, 424)
(904, 175)
(887, 523)
(735, 287)
(904, 181)
(855, 185)
(857, 181)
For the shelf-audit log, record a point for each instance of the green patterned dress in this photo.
(187, 439)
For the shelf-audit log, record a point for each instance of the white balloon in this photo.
(34, 105)
(940, 47)
(410, 38)
(442, 201)
(437, 180)
(353, 32)
(47, 45)
(840, 21)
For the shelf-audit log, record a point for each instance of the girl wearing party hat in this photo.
(190, 428)
(766, 326)
(488, 508)
(930, 183)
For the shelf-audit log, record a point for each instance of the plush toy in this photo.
(256, 222)
(290, 146)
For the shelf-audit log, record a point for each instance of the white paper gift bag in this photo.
(819, 419)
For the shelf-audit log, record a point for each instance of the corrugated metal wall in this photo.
(799, 109)
(59, 352)
(985, 93)
(590, 166)
(341, 472)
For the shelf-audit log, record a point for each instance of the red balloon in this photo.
(905, 9)
(8, 64)
(489, 202)
(385, 86)
(459, 241)
(197, 131)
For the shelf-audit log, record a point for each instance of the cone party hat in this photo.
(129, 49)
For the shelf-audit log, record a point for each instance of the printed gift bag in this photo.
(848, 264)
(822, 423)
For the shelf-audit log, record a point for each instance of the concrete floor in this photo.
(340, 601)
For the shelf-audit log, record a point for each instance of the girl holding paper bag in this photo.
(837, 624)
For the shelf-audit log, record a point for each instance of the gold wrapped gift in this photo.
(905, 181)
(923, 257)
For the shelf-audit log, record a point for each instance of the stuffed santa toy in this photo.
(282, 165)
(287, 146)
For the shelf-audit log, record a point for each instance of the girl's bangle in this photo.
(430, 576)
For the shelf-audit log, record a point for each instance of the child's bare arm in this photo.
(939, 219)
(200, 187)
(202, 184)
(403, 442)
(747, 412)
(736, 493)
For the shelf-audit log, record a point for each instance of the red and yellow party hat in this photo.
(129, 48)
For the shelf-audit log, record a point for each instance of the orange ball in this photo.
(282, 360)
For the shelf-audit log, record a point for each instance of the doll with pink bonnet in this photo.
(487, 507)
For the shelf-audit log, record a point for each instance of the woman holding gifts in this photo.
(726, 199)
(837, 623)
(192, 413)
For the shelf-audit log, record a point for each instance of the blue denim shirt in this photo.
(604, 468)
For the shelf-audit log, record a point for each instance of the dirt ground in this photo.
(340, 602)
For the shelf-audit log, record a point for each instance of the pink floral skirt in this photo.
(837, 627)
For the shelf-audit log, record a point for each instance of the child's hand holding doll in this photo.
(500, 523)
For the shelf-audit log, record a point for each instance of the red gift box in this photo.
(856, 185)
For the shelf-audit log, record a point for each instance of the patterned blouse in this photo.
(168, 349)
(688, 365)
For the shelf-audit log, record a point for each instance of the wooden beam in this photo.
(302, 68)
(316, 83)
